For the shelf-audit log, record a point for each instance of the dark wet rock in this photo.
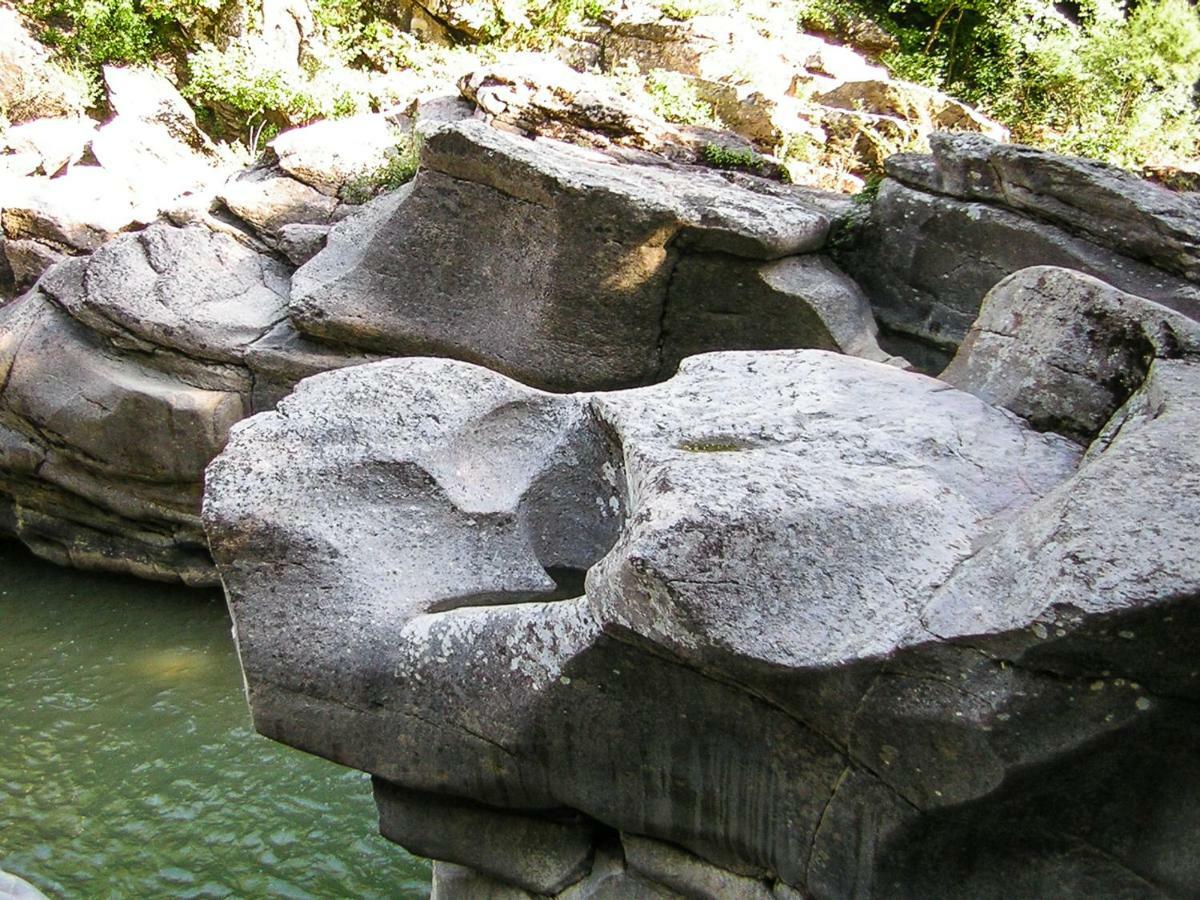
(535, 853)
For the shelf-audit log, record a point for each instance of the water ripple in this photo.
(128, 767)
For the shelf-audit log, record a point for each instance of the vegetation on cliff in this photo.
(1091, 77)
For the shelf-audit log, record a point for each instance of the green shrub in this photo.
(1113, 82)
(870, 190)
(724, 158)
(399, 168)
(683, 10)
(1115, 88)
(674, 98)
(94, 32)
(264, 96)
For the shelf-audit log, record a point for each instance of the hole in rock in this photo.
(571, 514)
(575, 509)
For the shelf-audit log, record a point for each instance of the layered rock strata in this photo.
(946, 227)
(123, 370)
(122, 373)
(845, 630)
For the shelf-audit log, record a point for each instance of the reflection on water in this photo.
(128, 767)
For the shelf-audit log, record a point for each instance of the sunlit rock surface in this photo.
(570, 269)
(845, 630)
(126, 366)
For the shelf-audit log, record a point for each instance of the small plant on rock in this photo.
(725, 158)
(683, 10)
(675, 99)
(399, 167)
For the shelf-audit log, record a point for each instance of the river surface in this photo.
(128, 766)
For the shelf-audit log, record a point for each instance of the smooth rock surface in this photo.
(802, 301)
(14, 888)
(122, 374)
(141, 93)
(555, 264)
(325, 155)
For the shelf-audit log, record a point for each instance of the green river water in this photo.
(128, 766)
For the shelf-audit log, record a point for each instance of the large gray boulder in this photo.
(143, 94)
(327, 155)
(1065, 350)
(943, 231)
(558, 265)
(845, 630)
(128, 367)
(122, 373)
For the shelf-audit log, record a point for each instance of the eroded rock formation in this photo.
(122, 373)
(569, 268)
(124, 369)
(845, 630)
(945, 228)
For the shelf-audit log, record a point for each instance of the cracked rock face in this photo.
(122, 374)
(845, 630)
(568, 269)
(1065, 350)
(947, 227)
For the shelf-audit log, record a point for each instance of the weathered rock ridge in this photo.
(568, 268)
(845, 630)
(125, 366)
(946, 227)
(122, 373)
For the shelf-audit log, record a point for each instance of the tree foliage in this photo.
(1102, 79)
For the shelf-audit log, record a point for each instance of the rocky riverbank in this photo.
(584, 490)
